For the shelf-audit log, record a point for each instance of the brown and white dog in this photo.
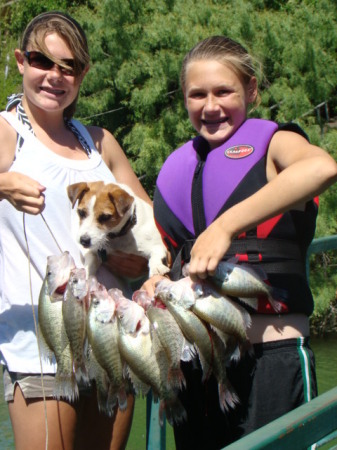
(112, 218)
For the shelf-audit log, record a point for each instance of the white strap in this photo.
(20, 128)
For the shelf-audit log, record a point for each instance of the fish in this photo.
(146, 367)
(103, 335)
(166, 335)
(51, 330)
(228, 398)
(106, 402)
(180, 299)
(74, 312)
(245, 283)
(221, 312)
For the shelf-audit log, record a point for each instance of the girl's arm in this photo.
(296, 171)
(24, 193)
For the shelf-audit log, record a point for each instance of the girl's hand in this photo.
(150, 285)
(126, 265)
(24, 193)
(208, 250)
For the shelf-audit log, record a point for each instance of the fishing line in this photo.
(36, 327)
(52, 234)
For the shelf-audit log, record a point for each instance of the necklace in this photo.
(16, 100)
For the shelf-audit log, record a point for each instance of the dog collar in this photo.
(131, 222)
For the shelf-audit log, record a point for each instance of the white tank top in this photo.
(18, 346)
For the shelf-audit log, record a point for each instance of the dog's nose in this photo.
(85, 241)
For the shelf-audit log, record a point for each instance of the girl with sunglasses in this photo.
(43, 150)
(242, 188)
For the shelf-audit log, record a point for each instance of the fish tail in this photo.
(105, 408)
(275, 304)
(139, 386)
(228, 398)
(235, 354)
(174, 411)
(66, 387)
(112, 399)
(277, 297)
(103, 403)
(81, 373)
(176, 378)
(122, 399)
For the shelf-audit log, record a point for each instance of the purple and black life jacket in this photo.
(196, 185)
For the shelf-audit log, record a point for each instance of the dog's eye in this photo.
(104, 218)
(82, 213)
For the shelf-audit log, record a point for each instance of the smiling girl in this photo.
(43, 150)
(243, 188)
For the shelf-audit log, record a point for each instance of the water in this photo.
(326, 365)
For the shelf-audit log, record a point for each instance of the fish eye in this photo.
(82, 213)
(75, 280)
(104, 218)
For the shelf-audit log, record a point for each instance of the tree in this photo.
(137, 48)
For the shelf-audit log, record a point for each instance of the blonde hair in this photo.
(70, 31)
(226, 51)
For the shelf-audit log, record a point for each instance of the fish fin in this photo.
(81, 372)
(65, 386)
(106, 408)
(175, 378)
(247, 320)
(106, 402)
(174, 411)
(95, 370)
(122, 399)
(188, 352)
(46, 352)
(251, 302)
(139, 386)
(236, 354)
(276, 298)
(228, 398)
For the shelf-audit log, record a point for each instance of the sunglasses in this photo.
(40, 61)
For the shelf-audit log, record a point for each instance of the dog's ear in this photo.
(121, 200)
(76, 192)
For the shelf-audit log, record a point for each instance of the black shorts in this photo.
(271, 381)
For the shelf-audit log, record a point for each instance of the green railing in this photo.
(314, 422)
(320, 245)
